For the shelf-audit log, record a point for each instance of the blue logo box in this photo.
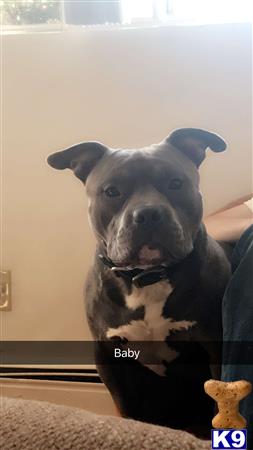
(229, 439)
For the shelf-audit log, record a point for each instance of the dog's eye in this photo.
(175, 183)
(112, 191)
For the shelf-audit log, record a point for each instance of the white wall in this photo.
(124, 88)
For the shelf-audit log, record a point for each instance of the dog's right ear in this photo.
(193, 142)
(81, 158)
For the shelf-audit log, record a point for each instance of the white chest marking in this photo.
(154, 327)
(149, 295)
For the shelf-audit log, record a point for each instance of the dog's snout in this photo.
(148, 215)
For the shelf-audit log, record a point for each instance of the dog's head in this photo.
(144, 205)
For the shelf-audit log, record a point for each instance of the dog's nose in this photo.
(148, 215)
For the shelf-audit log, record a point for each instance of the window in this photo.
(30, 12)
(60, 13)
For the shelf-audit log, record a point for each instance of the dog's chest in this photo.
(153, 327)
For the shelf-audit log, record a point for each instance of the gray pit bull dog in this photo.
(154, 293)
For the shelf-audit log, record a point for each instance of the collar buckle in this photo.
(150, 276)
(138, 277)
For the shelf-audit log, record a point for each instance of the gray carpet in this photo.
(34, 425)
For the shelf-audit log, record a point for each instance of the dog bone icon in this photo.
(228, 396)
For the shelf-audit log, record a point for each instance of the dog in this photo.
(156, 286)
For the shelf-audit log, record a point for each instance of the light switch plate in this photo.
(5, 290)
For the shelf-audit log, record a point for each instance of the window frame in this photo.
(136, 22)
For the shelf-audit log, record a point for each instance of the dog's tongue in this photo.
(147, 254)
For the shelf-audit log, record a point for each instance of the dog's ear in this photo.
(193, 142)
(81, 158)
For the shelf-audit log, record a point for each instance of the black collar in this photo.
(138, 277)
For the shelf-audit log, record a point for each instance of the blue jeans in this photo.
(238, 323)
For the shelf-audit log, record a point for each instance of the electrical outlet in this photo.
(5, 290)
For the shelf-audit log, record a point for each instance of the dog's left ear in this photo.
(193, 142)
(80, 158)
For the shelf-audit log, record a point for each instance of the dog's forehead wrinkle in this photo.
(138, 166)
(143, 162)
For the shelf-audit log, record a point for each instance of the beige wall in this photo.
(122, 87)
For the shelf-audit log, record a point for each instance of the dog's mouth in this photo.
(149, 256)
(147, 251)
(146, 257)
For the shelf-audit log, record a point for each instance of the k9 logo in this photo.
(227, 439)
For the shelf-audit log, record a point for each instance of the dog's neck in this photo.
(138, 277)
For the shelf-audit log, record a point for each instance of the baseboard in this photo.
(92, 396)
